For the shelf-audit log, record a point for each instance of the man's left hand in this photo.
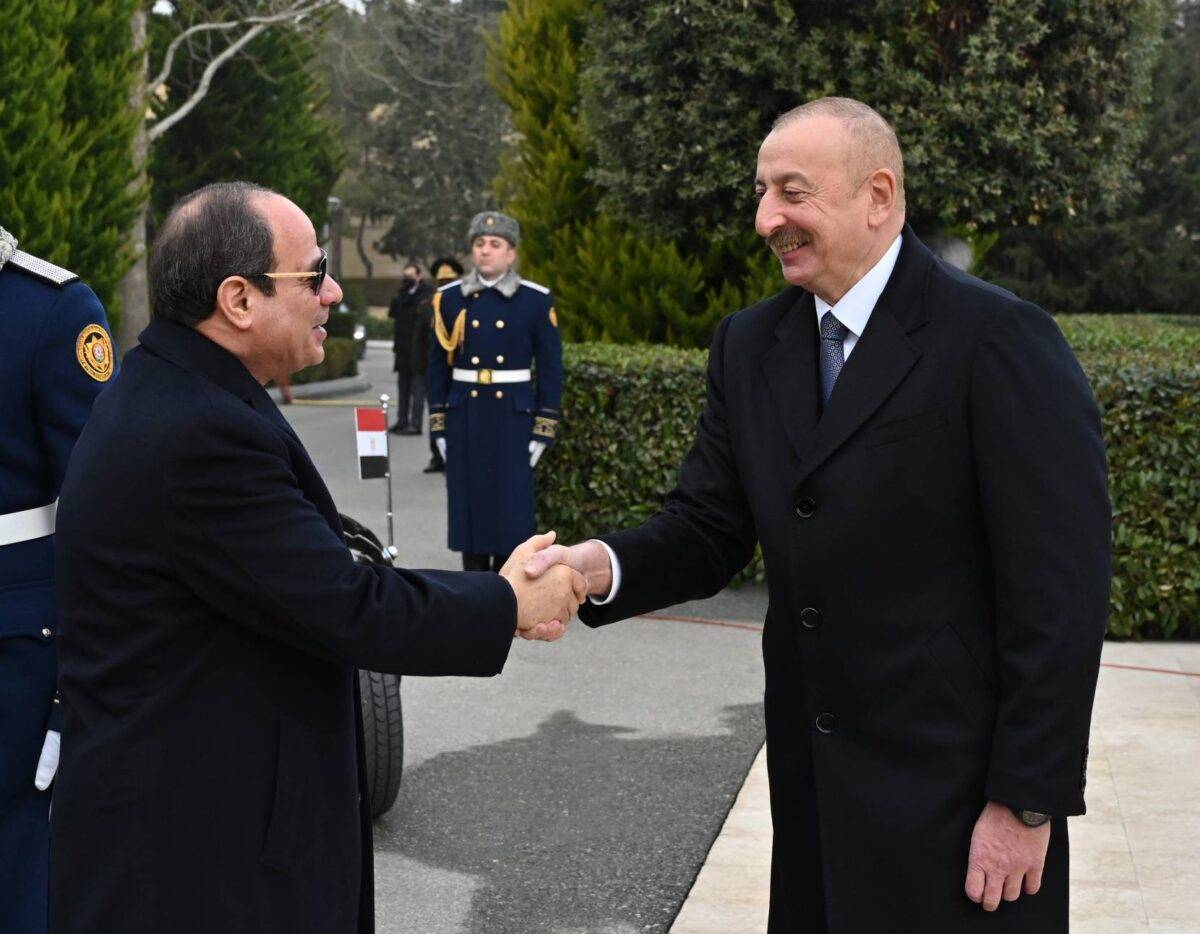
(1005, 856)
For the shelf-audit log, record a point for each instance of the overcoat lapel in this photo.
(790, 367)
(882, 357)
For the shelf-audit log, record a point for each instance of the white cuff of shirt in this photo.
(616, 576)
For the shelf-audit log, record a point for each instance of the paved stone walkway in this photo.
(1135, 856)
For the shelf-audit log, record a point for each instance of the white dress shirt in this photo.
(855, 307)
(853, 310)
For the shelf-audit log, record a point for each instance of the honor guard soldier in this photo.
(491, 422)
(56, 355)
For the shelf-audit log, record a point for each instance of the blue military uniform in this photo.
(56, 356)
(483, 401)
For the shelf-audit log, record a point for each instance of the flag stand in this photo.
(387, 479)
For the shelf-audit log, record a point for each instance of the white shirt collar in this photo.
(855, 307)
(490, 283)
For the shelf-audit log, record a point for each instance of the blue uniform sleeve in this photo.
(437, 379)
(74, 361)
(548, 353)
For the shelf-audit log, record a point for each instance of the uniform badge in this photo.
(553, 318)
(94, 351)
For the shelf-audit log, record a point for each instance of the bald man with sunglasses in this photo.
(212, 771)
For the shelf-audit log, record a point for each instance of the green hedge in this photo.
(630, 414)
(341, 359)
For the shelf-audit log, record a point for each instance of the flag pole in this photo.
(387, 478)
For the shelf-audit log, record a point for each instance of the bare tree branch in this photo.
(293, 14)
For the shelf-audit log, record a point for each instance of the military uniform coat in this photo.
(56, 356)
(937, 552)
(212, 763)
(488, 426)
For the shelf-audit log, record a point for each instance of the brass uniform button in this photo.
(499, 394)
(499, 324)
(475, 360)
(474, 393)
(475, 323)
(500, 358)
(47, 633)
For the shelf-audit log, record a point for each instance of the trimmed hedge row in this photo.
(631, 413)
(341, 359)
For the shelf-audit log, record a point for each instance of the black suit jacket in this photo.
(211, 775)
(937, 552)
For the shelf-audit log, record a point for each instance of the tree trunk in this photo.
(358, 242)
(132, 290)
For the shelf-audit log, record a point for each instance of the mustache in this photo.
(788, 238)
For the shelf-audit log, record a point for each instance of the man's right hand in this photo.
(546, 604)
(589, 558)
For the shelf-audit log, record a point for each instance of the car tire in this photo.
(383, 737)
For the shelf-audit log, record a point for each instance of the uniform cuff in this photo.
(616, 576)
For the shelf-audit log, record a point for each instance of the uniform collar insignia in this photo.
(507, 286)
(8, 246)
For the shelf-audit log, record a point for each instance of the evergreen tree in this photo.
(66, 134)
(38, 154)
(104, 69)
(1009, 111)
(1147, 257)
(613, 280)
(261, 121)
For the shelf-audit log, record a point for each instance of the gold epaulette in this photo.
(450, 340)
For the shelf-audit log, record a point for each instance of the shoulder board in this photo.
(449, 285)
(39, 268)
(536, 285)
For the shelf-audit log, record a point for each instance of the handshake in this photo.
(551, 581)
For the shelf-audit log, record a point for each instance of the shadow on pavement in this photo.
(576, 827)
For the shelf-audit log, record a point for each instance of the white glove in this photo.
(536, 450)
(441, 446)
(48, 763)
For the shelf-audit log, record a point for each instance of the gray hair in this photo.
(212, 234)
(873, 142)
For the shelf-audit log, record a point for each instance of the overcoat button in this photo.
(499, 324)
(47, 633)
(826, 722)
(806, 507)
(475, 323)
(810, 618)
(499, 394)
(475, 360)
(474, 393)
(500, 358)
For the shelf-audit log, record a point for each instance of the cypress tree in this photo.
(38, 153)
(104, 69)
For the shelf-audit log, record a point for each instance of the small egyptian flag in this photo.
(371, 434)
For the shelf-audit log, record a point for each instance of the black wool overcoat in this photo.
(213, 618)
(937, 551)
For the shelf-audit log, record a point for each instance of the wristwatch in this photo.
(1030, 818)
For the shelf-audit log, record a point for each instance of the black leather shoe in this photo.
(398, 430)
(435, 467)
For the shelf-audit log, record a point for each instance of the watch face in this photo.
(1033, 818)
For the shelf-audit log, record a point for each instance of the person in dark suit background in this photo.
(409, 310)
(920, 455)
(212, 766)
(56, 355)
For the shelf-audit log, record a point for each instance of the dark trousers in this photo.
(410, 400)
(483, 562)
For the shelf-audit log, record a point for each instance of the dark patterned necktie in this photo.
(833, 356)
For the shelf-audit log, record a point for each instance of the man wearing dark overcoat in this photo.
(491, 420)
(409, 311)
(212, 766)
(919, 454)
(56, 355)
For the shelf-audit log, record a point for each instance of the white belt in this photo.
(28, 524)
(486, 377)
